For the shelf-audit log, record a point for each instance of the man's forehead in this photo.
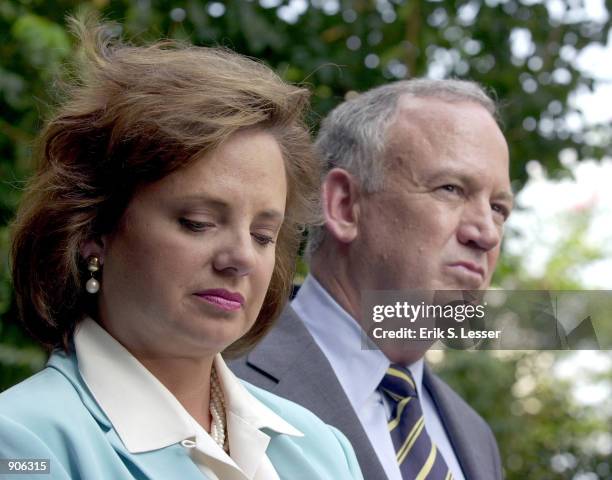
(434, 111)
(421, 125)
(429, 135)
(431, 120)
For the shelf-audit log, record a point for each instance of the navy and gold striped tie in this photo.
(417, 455)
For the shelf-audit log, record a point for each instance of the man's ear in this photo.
(93, 247)
(340, 201)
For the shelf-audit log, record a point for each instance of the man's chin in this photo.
(461, 284)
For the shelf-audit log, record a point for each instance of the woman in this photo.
(160, 230)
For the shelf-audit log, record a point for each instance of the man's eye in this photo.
(501, 209)
(262, 239)
(194, 226)
(451, 188)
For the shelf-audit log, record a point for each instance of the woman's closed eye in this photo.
(195, 225)
(263, 239)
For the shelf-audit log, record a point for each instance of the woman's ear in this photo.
(340, 201)
(93, 247)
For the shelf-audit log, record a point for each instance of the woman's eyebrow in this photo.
(271, 214)
(205, 200)
(223, 206)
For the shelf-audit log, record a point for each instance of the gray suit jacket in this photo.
(289, 363)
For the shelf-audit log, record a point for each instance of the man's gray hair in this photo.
(353, 136)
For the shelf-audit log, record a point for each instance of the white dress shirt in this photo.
(360, 371)
(146, 416)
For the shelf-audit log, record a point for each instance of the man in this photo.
(415, 197)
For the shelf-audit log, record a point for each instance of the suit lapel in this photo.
(453, 420)
(290, 356)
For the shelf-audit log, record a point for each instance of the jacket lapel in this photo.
(290, 356)
(169, 462)
(456, 420)
(285, 455)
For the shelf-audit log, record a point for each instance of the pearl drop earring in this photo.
(93, 265)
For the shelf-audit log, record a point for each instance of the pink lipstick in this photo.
(221, 298)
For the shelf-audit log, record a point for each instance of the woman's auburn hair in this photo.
(133, 115)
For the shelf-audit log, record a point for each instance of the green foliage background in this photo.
(336, 48)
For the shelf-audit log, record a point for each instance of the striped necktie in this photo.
(417, 455)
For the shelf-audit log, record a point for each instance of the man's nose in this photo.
(236, 255)
(478, 227)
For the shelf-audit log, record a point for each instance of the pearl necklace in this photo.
(217, 412)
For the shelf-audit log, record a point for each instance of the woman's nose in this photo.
(236, 255)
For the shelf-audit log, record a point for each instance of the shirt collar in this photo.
(143, 412)
(358, 369)
(243, 404)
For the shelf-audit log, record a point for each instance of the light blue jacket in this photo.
(53, 416)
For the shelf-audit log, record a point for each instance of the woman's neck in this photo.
(188, 379)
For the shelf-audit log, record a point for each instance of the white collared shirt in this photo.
(146, 416)
(360, 371)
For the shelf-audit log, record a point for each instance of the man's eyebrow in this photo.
(451, 171)
(505, 196)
